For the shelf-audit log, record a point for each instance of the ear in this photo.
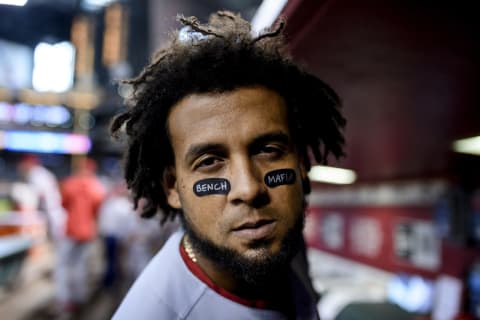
(302, 168)
(303, 172)
(169, 184)
(304, 177)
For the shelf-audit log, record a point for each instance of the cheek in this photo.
(204, 212)
(289, 199)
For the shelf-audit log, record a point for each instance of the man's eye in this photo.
(207, 162)
(271, 151)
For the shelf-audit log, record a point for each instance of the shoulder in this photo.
(66, 185)
(68, 181)
(166, 289)
(145, 307)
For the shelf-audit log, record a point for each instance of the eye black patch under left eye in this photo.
(279, 177)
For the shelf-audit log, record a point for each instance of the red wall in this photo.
(382, 224)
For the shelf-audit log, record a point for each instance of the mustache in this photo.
(252, 218)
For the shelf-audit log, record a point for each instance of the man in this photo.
(219, 133)
(82, 194)
(45, 185)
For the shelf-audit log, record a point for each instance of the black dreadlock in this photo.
(216, 57)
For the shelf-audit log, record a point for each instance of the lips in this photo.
(255, 230)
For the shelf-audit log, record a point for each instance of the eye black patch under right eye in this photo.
(206, 187)
(280, 177)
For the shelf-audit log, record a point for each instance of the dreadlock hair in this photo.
(217, 57)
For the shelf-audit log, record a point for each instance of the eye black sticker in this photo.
(279, 177)
(211, 186)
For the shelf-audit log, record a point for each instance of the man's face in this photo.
(240, 136)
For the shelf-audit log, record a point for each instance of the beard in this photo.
(258, 270)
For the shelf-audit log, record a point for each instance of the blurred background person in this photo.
(46, 187)
(48, 203)
(129, 241)
(82, 194)
(115, 216)
(145, 237)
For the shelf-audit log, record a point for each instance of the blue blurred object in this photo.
(473, 287)
(45, 142)
(412, 293)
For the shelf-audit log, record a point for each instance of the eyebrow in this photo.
(276, 136)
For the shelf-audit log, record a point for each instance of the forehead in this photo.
(239, 114)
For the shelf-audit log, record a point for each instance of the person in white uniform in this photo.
(220, 130)
(45, 184)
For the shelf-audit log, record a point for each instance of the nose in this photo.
(247, 185)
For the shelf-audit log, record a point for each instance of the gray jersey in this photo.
(167, 289)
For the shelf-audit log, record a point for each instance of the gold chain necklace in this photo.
(188, 248)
